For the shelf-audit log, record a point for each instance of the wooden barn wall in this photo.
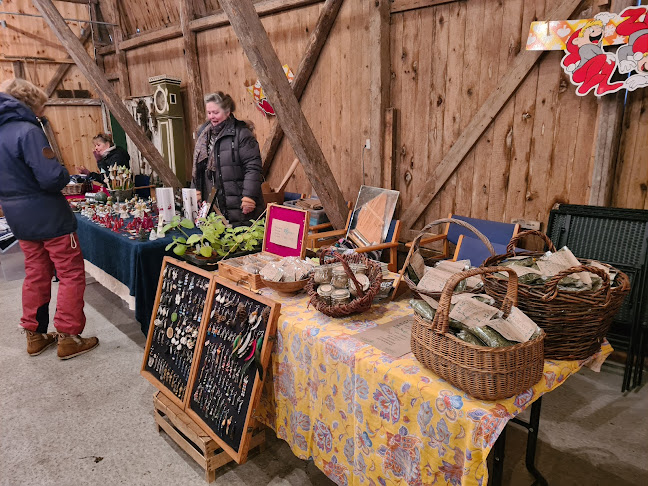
(631, 183)
(73, 126)
(446, 60)
(335, 102)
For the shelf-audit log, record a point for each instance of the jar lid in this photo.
(325, 289)
(340, 294)
(339, 270)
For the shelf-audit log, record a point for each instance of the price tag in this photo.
(284, 233)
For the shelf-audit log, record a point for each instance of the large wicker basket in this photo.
(364, 299)
(483, 372)
(575, 322)
(416, 244)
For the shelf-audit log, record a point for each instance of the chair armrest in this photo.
(429, 239)
(319, 227)
(382, 246)
(326, 234)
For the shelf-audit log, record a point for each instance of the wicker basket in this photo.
(364, 299)
(287, 287)
(74, 189)
(415, 247)
(575, 322)
(483, 372)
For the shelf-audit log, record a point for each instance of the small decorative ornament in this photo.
(169, 332)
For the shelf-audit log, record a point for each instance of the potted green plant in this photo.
(215, 240)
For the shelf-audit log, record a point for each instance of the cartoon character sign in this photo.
(590, 67)
(634, 55)
(260, 100)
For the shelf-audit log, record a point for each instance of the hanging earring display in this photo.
(234, 355)
(175, 326)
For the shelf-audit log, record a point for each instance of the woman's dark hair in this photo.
(105, 138)
(223, 100)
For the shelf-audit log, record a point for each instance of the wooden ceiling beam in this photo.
(304, 70)
(520, 67)
(73, 102)
(218, 19)
(257, 46)
(102, 86)
(62, 70)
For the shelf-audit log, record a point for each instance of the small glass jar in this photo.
(340, 297)
(322, 274)
(339, 280)
(359, 268)
(325, 291)
(363, 280)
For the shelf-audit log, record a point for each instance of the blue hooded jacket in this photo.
(31, 178)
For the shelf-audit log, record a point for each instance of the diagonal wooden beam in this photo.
(62, 70)
(102, 86)
(306, 66)
(522, 65)
(194, 82)
(255, 42)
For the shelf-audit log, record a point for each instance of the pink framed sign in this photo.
(286, 230)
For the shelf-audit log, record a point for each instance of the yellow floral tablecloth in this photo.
(366, 418)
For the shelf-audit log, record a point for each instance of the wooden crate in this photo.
(192, 438)
(240, 276)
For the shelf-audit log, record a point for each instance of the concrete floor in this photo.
(89, 420)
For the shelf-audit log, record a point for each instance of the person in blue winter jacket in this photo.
(31, 179)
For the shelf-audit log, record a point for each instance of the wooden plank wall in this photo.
(446, 60)
(631, 182)
(73, 126)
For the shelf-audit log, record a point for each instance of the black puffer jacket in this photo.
(117, 156)
(237, 171)
(31, 178)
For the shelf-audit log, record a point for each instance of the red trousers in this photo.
(41, 258)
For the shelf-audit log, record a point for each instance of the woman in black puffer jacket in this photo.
(227, 158)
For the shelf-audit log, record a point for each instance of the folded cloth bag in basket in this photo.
(483, 372)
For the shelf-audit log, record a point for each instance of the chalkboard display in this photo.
(175, 327)
(234, 353)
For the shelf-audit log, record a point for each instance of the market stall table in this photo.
(367, 418)
(136, 264)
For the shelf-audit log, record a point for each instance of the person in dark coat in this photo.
(227, 158)
(107, 154)
(31, 180)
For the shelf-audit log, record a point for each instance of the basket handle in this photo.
(552, 285)
(415, 244)
(510, 248)
(441, 319)
(336, 255)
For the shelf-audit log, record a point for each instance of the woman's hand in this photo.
(247, 205)
(82, 170)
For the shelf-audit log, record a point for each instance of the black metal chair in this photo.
(618, 237)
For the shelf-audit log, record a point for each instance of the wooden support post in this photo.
(112, 10)
(380, 70)
(306, 66)
(19, 69)
(391, 166)
(62, 70)
(521, 66)
(256, 44)
(194, 84)
(609, 120)
(98, 80)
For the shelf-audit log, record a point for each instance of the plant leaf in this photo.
(187, 223)
(193, 239)
(180, 250)
(168, 247)
(206, 251)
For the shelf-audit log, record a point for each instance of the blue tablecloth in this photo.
(135, 263)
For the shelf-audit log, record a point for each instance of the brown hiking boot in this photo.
(70, 345)
(37, 342)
